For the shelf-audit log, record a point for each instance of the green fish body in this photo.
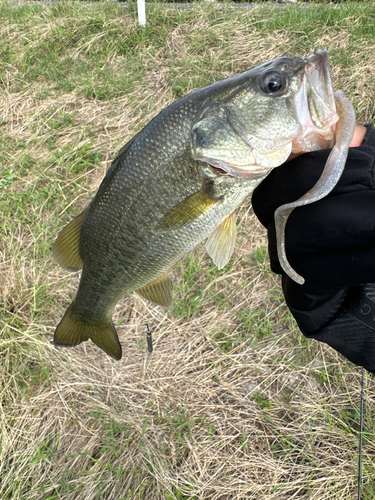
(175, 184)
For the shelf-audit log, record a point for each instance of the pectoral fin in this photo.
(220, 244)
(66, 247)
(158, 291)
(188, 210)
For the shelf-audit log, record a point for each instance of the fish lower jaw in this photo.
(261, 163)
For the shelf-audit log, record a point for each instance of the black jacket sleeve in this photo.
(331, 243)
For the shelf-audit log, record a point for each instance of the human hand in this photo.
(331, 243)
(341, 220)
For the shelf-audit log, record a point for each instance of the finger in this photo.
(359, 134)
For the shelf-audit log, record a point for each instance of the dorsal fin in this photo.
(220, 244)
(158, 291)
(66, 247)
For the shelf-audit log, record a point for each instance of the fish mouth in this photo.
(315, 106)
(213, 169)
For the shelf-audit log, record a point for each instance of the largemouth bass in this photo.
(178, 181)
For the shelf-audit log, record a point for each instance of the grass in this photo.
(233, 403)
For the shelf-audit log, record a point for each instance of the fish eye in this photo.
(273, 82)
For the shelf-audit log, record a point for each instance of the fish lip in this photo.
(319, 60)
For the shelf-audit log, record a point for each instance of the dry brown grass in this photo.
(233, 403)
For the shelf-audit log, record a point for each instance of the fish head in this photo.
(258, 118)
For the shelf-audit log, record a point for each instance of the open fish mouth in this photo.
(291, 110)
(317, 70)
(315, 106)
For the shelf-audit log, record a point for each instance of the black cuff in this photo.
(352, 333)
(369, 139)
(313, 309)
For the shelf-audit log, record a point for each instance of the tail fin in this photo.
(72, 331)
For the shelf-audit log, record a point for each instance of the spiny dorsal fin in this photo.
(66, 247)
(187, 211)
(72, 331)
(220, 244)
(158, 291)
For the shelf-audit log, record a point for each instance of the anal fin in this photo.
(66, 247)
(220, 244)
(158, 291)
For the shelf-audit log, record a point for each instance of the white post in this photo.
(141, 5)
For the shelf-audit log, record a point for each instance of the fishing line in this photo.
(360, 438)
